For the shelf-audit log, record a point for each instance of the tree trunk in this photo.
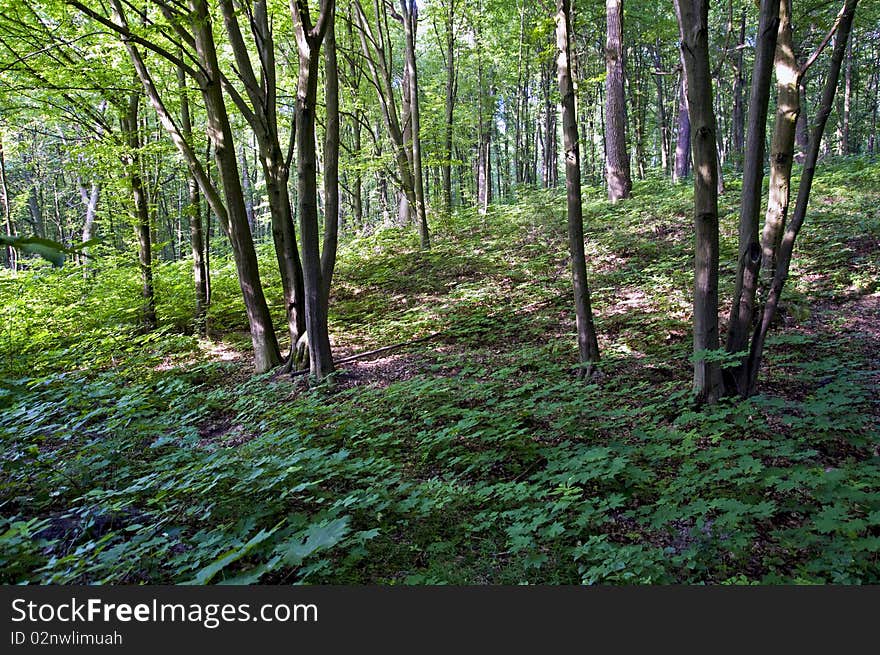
(749, 259)
(738, 119)
(265, 343)
(90, 201)
(786, 247)
(782, 141)
(845, 147)
(662, 120)
(247, 188)
(617, 168)
(682, 165)
(309, 38)
(693, 18)
(449, 113)
(410, 25)
(331, 160)
(194, 214)
(588, 346)
(262, 115)
(11, 260)
(231, 214)
(130, 128)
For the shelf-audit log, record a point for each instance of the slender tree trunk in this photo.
(410, 25)
(662, 120)
(588, 346)
(262, 116)
(265, 343)
(693, 17)
(331, 160)
(90, 202)
(738, 118)
(786, 247)
(449, 114)
(130, 128)
(247, 188)
(194, 214)
(845, 147)
(11, 260)
(617, 168)
(309, 38)
(682, 165)
(782, 141)
(373, 46)
(749, 259)
(231, 214)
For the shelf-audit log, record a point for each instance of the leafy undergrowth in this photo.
(475, 457)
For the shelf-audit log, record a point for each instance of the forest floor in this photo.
(475, 456)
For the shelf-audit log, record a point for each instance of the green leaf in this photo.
(318, 537)
(207, 573)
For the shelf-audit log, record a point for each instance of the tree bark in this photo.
(11, 260)
(786, 247)
(449, 113)
(693, 18)
(588, 346)
(617, 169)
(266, 354)
(662, 119)
(682, 165)
(194, 214)
(410, 25)
(130, 129)
(309, 38)
(782, 141)
(738, 117)
(749, 258)
(262, 115)
(331, 160)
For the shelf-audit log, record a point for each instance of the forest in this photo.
(422, 292)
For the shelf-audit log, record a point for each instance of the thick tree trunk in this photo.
(693, 17)
(617, 170)
(786, 247)
(749, 259)
(588, 346)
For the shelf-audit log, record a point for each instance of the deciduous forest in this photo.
(439, 292)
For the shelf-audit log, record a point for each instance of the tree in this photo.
(309, 36)
(693, 17)
(617, 170)
(588, 346)
(230, 210)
